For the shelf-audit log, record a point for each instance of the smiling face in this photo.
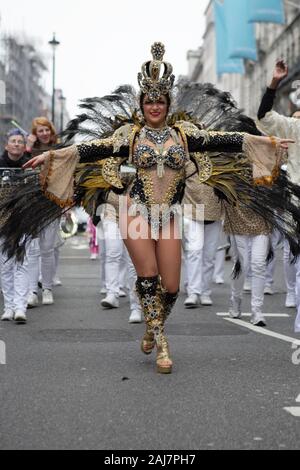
(155, 112)
(15, 147)
(43, 134)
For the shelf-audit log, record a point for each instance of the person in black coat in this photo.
(15, 154)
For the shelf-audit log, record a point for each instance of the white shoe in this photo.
(103, 291)
(268, 290)
(20, 317)
(57, 282)
(122, 293)
(192, 301)
(110, 301)
(257, 319)
(235, 309)
(33, 300)
(136, 316)
(47, 297)
(290, 301)
(8, 315)
(206, 300)
(219, 280)
(93, 256)
(247, 286)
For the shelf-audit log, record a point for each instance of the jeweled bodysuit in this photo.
(159, 184)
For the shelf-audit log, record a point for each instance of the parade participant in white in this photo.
(285, 127)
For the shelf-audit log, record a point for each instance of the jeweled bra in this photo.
(146, 156)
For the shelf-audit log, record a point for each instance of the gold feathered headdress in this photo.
(156, 78)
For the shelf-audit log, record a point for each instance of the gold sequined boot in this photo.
(146, 288)
(163, 360)
(156, 304)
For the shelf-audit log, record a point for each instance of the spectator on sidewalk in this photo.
(14, 275)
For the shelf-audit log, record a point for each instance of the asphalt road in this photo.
(75, 377)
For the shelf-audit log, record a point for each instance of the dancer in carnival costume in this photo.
(159, 147)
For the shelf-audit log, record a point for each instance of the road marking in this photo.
(80, 247)
(283, 315)
(2, 353)
(264, 331)
(293, 410)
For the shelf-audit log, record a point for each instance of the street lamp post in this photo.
(53, 43)
(62, 111)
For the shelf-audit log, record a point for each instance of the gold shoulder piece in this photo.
(124, 136)
(110, 171)
(204, 166)
(189, 129)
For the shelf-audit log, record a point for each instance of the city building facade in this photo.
(23, 96)
(273, 41)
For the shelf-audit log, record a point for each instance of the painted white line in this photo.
(264, 331)
(293, 410)
(279, 315)
(80, 247)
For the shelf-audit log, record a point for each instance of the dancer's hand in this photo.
(278, 143)
(35, 162)
(280, 72)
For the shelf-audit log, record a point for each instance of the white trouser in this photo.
(123, 274)
(258, 246)
(48, 240)
(44, 246)
(34, 264)
(111, 250)
(289, 269)
(102, 254)
(219, 265)
(131, 280)
(15, 283)
(275, 239)
(219, 269)
(56, 259)
(59, 242)
(192, 243)
(211, 238)
(297, 321)
(200, 244)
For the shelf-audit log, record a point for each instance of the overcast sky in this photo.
(105, 42)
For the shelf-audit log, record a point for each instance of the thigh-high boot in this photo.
(149, 291)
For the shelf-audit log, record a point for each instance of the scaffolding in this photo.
(21, 69)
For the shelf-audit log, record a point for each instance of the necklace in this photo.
(158, 136)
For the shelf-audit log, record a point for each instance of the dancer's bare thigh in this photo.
(136, 235)
(151, 257)
(168, 256)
